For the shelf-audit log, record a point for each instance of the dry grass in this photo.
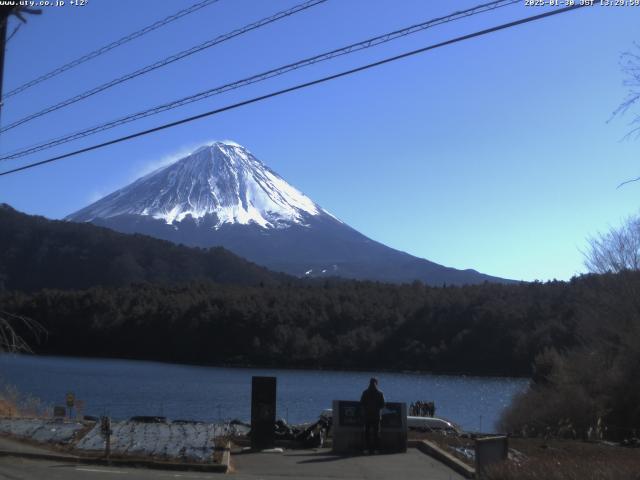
(569, 469)
(552, 459)
(15, 404)
(7, 409)
(568, 451)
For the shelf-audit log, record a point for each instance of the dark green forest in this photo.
(488, 329)
(37, 253)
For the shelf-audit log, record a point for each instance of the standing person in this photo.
(372, 401)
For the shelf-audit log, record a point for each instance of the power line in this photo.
(132, 36)
(300, 86)
(369, 43)
(14, 31)
(166, 61)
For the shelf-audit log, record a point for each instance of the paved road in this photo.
(21, 469)
(323, 465)
(307, 465)
(11, 445)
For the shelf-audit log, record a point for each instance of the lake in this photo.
(123, 388)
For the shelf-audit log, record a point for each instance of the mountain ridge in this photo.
(36, 253)
(222, 195)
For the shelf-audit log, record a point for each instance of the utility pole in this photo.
(5, 13)
(4, 20)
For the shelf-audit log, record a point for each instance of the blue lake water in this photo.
(123, 388)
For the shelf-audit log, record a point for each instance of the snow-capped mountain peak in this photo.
(222, 179)
(220, 195)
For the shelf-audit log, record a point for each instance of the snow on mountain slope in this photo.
(221, 195)
(222, 179)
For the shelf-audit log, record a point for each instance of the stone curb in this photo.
(119, 462)
(430, 448)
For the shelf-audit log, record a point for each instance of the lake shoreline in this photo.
(285, 367)
(124, 388)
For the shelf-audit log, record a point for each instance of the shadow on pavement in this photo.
(320, 457)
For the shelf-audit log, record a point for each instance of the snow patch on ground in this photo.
(182, 441)
(41, 430)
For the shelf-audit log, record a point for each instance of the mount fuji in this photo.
(222, 195)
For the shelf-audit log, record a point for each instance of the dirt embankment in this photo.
(551, 459)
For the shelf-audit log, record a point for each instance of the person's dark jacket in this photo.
(372, 402)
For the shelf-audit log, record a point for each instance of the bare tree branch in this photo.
(10, 339)
(630, 66)
(616, 250)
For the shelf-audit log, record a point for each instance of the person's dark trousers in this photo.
(372, 435)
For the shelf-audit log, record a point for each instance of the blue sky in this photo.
(493, 154)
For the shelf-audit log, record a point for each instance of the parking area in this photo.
(321, 464)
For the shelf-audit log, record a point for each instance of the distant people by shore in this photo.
(422, 409)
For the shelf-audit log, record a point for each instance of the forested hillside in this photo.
(483, 329)
(39, 253)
